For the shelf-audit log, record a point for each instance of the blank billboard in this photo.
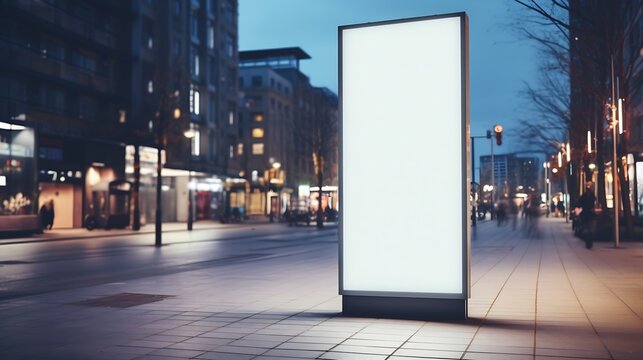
(403, 172)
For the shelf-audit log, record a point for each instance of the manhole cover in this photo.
(123, 300)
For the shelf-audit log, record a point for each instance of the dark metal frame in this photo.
(465, 148)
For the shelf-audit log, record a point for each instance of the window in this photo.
(257, 133)
(240, 81)
(257, 81)
(210, 35)
(150, 87)
(231, 151)
(212, 147)
(194, 26)
(195, 62)
(212, 8)
(177, 7)
(55, 99)
(240, 149)
(258, 117)
(257, 149)
(150, 42)
(50, 49)
(196, 142)
(229, 45)
(228, 11)
(231, 76)
(212, 112)
(83, 60)
(196, 65)
(212, 70)
(231, 118)
(195, 100)
(86, 108)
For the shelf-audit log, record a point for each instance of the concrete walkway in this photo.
(82, 233)
(537, 297)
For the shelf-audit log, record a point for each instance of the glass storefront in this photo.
(17, 171)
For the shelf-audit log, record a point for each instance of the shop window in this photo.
(17, 180)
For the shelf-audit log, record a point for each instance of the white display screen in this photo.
(403, 158)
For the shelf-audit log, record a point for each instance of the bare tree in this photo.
(319, 136)
(578, 41)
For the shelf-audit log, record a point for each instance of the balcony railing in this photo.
(31, 60)
(67, 21)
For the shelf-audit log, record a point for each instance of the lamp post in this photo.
(474, 217)
(615, 187)
(546, 170)
(190, 134)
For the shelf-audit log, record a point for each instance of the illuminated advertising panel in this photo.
(404, 158)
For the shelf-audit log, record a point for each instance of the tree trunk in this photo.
(136, 211)
(320, 211)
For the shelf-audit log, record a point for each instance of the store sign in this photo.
(404, 120)
(61, 176)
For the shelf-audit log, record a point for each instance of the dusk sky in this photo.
(499, 61)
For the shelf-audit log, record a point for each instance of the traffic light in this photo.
(488, 134)
(498, 131)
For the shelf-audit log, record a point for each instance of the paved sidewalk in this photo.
(541, 297)
(82, 233)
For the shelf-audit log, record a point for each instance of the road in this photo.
(41, 267)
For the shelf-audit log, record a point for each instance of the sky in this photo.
(500, 62)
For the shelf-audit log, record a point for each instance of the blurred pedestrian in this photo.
(533, 215)
(47, 215)
(560, 207)
(513, 210)
(587, 215)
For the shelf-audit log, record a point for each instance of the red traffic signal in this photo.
(498, 131)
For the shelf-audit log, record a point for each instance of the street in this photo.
(270, 292)
(37, 268)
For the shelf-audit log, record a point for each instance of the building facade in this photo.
(594, 54)
(513, 175)
(64, 108)
(279, 113)
(86, 87)
(184, 91)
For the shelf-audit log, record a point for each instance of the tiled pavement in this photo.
(532, 298)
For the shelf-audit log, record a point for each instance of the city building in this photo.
(279, 113)
(184, 96)
(89, 90)
(618, 43)
(64, 109)
(513, 176)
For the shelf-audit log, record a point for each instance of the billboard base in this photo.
(404, 308)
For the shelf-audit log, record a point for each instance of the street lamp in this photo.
(190, 134)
